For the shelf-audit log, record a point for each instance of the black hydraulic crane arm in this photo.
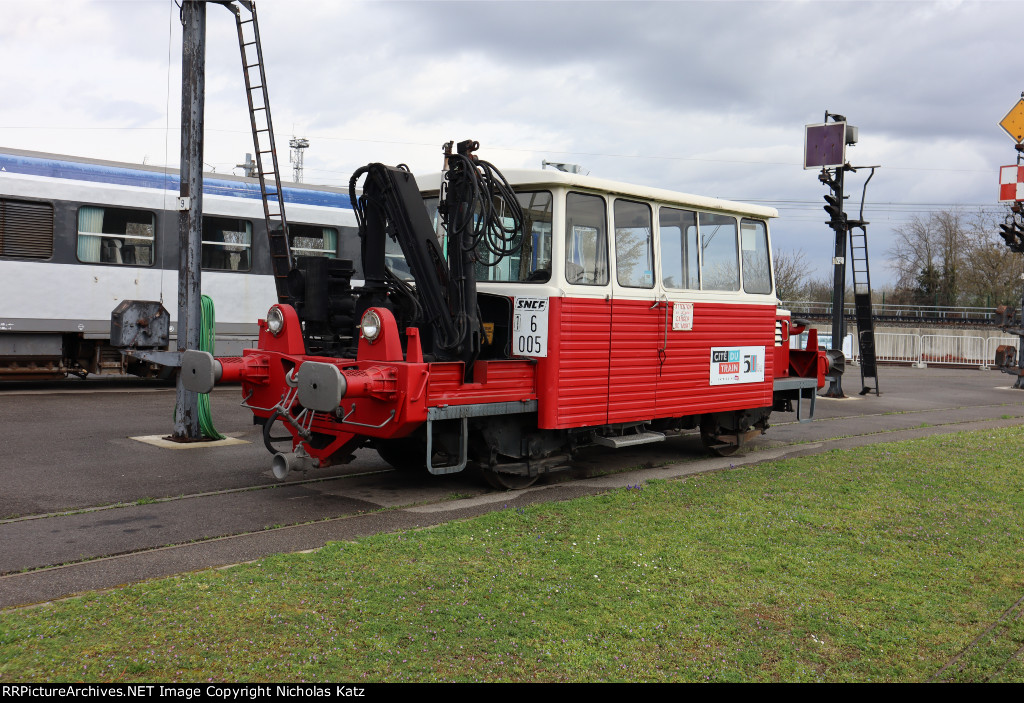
(481, 215)
(391, 206)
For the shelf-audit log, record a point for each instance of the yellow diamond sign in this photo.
(1013, 123)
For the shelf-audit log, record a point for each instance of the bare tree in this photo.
(929, 257)
(821, 289)
(950, 258)
(992, 275)
(790, 274)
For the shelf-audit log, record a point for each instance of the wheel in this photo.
(403, 454)
(505, 481)
(709, 429)
(717, 447)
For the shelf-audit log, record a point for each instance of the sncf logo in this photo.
(531, 304)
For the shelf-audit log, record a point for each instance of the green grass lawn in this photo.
(898, 562)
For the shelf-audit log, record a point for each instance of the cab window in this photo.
(634, 240)
(586, 240)
(720, 268)
(530, 263)
(757, 271)
(680, 261)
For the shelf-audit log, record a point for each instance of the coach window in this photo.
(227, 244)
(720, 261)
(680, 263)
(26, 229)
(313, 240)
(111, 235)
(586, 240)
(634, 244)
(757, 272)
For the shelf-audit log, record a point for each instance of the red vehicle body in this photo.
(627, 315)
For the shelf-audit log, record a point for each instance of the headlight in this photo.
(370, 325)
(275, 320)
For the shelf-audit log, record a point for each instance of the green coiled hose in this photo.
(206, 334)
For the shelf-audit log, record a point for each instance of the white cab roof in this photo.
(519, 178)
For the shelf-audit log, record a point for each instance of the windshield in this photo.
(532, 261)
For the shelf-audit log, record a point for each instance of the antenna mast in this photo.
(299, 146)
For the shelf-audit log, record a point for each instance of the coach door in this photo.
(681, 347)
(580, 326)
(638, 315)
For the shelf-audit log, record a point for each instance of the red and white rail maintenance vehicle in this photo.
(506, 321)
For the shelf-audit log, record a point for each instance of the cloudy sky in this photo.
(702, 97)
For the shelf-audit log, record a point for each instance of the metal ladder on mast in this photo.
(862, 305)
(263, 144)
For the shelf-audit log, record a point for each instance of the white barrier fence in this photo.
(896, 347)
(947, 349)
(936, 349)
(995, 342)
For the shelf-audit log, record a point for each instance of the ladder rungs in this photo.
(270, 182)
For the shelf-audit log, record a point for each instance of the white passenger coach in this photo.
(79, 235)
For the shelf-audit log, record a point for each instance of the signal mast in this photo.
(1011, 190)
(825, 147)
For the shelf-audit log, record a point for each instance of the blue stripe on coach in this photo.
(98, 173)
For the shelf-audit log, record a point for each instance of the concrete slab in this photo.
(164, 442)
